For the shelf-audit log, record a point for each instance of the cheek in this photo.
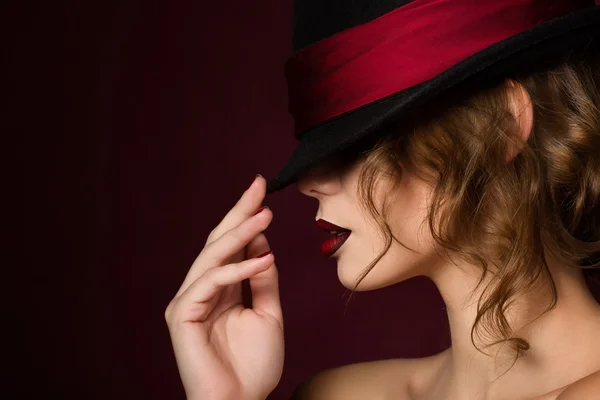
(407, 217)
(408, 206)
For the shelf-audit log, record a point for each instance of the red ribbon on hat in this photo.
(400, 49)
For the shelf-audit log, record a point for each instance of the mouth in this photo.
(338, 236)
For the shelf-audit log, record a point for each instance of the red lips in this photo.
(332, 244)
(328, 226)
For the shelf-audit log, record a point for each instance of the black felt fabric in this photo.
(542, 45)
(318, 19)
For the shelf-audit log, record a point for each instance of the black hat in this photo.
(359, 65)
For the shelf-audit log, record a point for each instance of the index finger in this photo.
(245, 207)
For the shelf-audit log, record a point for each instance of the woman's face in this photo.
(338, 203)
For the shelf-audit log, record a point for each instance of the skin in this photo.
(564, 342)
(223, 349)
(227, 351)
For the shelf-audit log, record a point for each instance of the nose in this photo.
(319, 180)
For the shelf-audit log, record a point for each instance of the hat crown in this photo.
(355, 36)
(318, 19)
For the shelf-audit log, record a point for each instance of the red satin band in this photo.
(405, 47)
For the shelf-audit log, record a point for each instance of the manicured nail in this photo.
(259, 210)
(266, 253)
(257, 175)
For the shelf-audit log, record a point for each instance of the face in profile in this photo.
(335, 183)
(336, 191)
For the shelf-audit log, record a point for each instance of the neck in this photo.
(556, 336)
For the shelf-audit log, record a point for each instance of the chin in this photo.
(383, 274)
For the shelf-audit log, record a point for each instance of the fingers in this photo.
(248, 203)
(233, 241)
(194, 304)
(265, 284)
(257, 245)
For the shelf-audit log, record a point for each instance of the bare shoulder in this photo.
(585, 388)
(378, 380)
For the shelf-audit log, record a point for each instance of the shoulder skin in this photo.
(587, 388)
(374, 380)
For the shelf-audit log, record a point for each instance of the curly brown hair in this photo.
(546, 198)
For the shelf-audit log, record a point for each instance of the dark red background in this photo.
(136, 127)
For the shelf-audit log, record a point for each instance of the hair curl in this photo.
(546, 198)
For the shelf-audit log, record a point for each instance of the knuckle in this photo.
(211, 236)
(213, 281)
(237, 235)
(169, 311)
(207, 246)
(210, 275)
(220, 276)
(207, 260)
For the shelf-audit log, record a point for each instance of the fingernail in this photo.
(259, 210)
(266, 253)
(257, 175)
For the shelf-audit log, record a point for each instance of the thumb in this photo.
(265, 284)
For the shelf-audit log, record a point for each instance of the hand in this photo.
(223, 350)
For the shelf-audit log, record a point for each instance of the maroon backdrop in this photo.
(140, 125)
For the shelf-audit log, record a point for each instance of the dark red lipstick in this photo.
(339, 236)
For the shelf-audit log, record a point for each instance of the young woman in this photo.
(491, 188)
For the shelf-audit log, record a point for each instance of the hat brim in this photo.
(547, 41)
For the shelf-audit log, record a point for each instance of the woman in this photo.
(491, 188)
